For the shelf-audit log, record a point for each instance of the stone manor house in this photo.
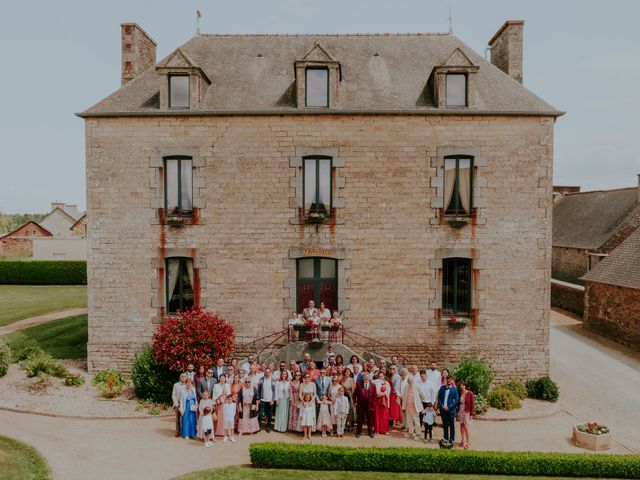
(399, 179)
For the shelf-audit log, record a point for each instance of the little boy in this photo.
(429, 418)
(207, 426)
(229, 415)
(341, 410)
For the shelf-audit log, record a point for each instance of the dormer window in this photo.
(178, 91)
(317, 87)
(453, 81)
(456, 90)
(318, 76)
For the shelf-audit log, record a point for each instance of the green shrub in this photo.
(5, 358)
(41, 363)
(475, 373)
(543, 389)
(151, 380)
(24, 349)
(481, 404)
(503, 399)
(44, 272)
(111, 383)
(73, 379)
(516, 387)
(417, 460)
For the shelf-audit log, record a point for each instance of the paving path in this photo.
(107, 449)
(37, 320)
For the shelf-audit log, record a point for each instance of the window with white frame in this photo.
(456, 90)
(317, 87)
(179, 91)
(317, 188)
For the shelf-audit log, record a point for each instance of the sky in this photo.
(61, 57)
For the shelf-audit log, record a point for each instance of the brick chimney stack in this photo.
(138, 51)
(506, 48)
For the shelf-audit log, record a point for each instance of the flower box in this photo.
(330, 328)
(458, 222)
(176, 222)
(592, 436)
(456, 323)
(315, 218)
(300, 327)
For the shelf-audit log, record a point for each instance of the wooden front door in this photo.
(317, 280)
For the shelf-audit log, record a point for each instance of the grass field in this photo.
(21, 462)
(22, 301)
(64, 338)
(248, 473)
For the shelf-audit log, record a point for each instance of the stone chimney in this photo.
(138, 51)
(638, 198)
(506, 48)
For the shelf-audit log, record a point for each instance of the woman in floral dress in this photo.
(294, 398)
(248, 403)
(349, 384)
(220, 392)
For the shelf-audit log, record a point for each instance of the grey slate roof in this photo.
(588, 219)
(621, 267)
(255, 74)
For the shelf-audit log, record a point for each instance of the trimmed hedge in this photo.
(43, 272)
(543, 389)
(423, 460)
(152, 380)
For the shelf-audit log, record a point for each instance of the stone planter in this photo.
(591, 441)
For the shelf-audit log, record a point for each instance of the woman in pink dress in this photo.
(236, 385)
(248, 403)
(383, 391)
(294, 407)
(221, 391)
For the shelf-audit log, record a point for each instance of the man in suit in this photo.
(323, 382)
(305, 364)
(178, 388)
(191, 372)
(310, 310)
(206, 384)
(219, 369)
(365, 404)
(448, 399)
(267, 397)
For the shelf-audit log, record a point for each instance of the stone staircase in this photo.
(296, 350)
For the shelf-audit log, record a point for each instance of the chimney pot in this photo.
(506, 48)
(138, 51)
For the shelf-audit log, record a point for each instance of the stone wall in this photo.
(567, 296)
(569, 264)
(613, 312)
(388, 233)
(16, 247)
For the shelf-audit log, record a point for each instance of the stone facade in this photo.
(569, 264)
(387, 233)
(614, 312)
(567, 296)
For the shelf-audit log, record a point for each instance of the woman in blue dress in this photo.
(188, 409)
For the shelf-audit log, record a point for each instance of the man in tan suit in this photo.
(309, 311)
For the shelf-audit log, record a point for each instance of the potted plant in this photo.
(315, 217)
(592, 436)
(456, 323)
(299, 326)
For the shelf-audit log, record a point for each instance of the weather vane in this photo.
(198, 17)
(450, 21)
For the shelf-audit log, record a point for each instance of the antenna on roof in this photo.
(198, 17)
(450, 21)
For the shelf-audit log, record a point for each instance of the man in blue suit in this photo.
(448, 399)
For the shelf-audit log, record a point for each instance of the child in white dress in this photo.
(207, 426)
(229, 415)
(324, 416)
(307, 415)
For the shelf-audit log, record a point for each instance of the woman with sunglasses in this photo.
(307, 387)
(294, 397)
(248, 403)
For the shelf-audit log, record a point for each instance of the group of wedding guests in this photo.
(337, 397)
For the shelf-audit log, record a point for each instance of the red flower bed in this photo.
(193, 336)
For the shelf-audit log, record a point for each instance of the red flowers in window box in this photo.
(193, 336)
(455, 323)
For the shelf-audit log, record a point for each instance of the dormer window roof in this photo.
(453, 81)
(185, 82)
(318, 75)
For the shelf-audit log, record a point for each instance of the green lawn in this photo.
(23, 301)
(248, 473)
(21, 462)
(64, 338)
